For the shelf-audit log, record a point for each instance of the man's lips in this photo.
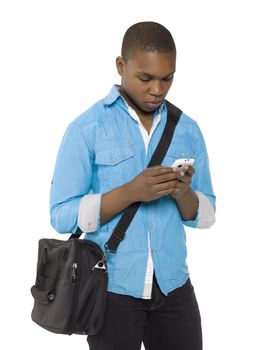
(153, 104)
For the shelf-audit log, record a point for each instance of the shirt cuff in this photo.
(206, 212)
(89, 213)
(205, 215)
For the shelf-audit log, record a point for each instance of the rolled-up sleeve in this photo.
(71, 183)
(202, 184)
(89, 213)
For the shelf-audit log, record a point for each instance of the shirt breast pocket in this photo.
(115, 166)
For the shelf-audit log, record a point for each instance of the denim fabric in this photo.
(103, 149)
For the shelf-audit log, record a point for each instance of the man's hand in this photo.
(184, 179)
(186, 198)
(153, 183)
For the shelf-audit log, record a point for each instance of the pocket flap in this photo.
(113, 156)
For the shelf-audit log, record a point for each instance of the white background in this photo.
(58, 58)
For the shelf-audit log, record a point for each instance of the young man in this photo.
(101, 169)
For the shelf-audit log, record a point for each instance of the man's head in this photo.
(146, 36)
(147, 65)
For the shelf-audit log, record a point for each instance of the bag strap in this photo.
(118, 234)
(173, 115)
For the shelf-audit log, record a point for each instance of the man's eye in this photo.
(169, 78)
(144, 79)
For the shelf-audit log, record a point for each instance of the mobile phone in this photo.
(180, 164)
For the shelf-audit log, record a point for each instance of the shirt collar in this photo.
(112, 96)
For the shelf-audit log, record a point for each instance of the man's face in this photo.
(146, 78)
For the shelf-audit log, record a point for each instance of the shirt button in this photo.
(113, 161)
(152, 224)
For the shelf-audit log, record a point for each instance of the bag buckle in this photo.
(101, 263)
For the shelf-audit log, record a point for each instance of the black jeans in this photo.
(162, 323)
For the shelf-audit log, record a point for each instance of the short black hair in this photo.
(147, 36)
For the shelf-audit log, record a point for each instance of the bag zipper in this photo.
(74, 273)
(75, 278)
(75, 283)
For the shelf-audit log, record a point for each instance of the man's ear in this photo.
(120, 63)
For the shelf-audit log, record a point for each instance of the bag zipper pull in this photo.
(74, 274)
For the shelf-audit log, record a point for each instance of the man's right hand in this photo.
(153, 183)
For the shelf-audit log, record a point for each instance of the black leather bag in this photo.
(71, 284)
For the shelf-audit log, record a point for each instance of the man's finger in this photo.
(160, 170)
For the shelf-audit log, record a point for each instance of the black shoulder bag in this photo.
(71, 282)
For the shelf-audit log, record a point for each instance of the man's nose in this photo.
(156, 88)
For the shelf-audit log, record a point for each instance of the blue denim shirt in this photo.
(103, 149)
